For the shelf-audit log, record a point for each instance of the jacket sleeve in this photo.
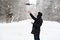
(32, 17)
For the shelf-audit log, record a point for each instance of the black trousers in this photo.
(36, 37)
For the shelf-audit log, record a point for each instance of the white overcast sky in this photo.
(32, 1)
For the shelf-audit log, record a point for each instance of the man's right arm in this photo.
(32, 16)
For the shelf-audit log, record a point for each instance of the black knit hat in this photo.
(39, 13)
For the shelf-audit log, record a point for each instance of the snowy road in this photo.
(21, 31)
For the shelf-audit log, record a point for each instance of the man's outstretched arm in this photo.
(32, 16)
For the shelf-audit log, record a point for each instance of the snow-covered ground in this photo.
(21, 30)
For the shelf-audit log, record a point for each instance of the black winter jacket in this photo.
(37, 24)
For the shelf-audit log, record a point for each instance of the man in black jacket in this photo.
(36, 25)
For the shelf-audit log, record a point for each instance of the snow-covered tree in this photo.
(50, 9)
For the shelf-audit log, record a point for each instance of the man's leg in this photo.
(36, 37)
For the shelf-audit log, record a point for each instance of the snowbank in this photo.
(21, 30)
